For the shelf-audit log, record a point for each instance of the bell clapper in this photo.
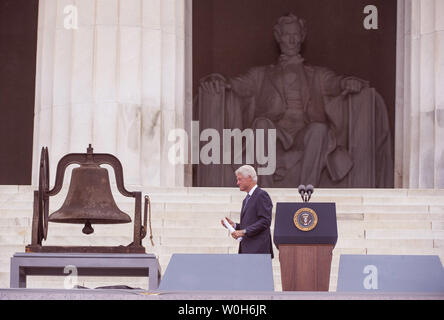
(88, 229)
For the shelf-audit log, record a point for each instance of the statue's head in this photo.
(290, 32)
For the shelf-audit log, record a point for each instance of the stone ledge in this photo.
(38, 294)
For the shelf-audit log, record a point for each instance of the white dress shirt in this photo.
(252, 190)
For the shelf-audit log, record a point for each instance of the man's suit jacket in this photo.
(256, 220)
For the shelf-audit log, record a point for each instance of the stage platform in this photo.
(187, 220)
(101, 294)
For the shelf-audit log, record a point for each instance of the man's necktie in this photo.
(246, 199)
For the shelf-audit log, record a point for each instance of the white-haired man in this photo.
(255, 219)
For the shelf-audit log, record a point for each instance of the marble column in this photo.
(419, 160)
(114, 77)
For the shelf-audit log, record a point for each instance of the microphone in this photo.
(302, 191)
(310, 191)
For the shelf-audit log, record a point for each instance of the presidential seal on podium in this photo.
(305, 219)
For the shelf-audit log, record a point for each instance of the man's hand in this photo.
(237, 234)
(229, 221)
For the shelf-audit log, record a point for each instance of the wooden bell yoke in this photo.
(89, 201)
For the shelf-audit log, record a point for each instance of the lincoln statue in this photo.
(331, 130)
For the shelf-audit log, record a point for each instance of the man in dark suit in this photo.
(255, 219)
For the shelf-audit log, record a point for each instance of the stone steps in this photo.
(187, 220)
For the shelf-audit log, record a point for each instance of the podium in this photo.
(305, 234)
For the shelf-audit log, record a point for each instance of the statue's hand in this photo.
(214, 84)
(353, 85)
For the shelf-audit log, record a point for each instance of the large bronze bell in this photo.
(89, 200)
